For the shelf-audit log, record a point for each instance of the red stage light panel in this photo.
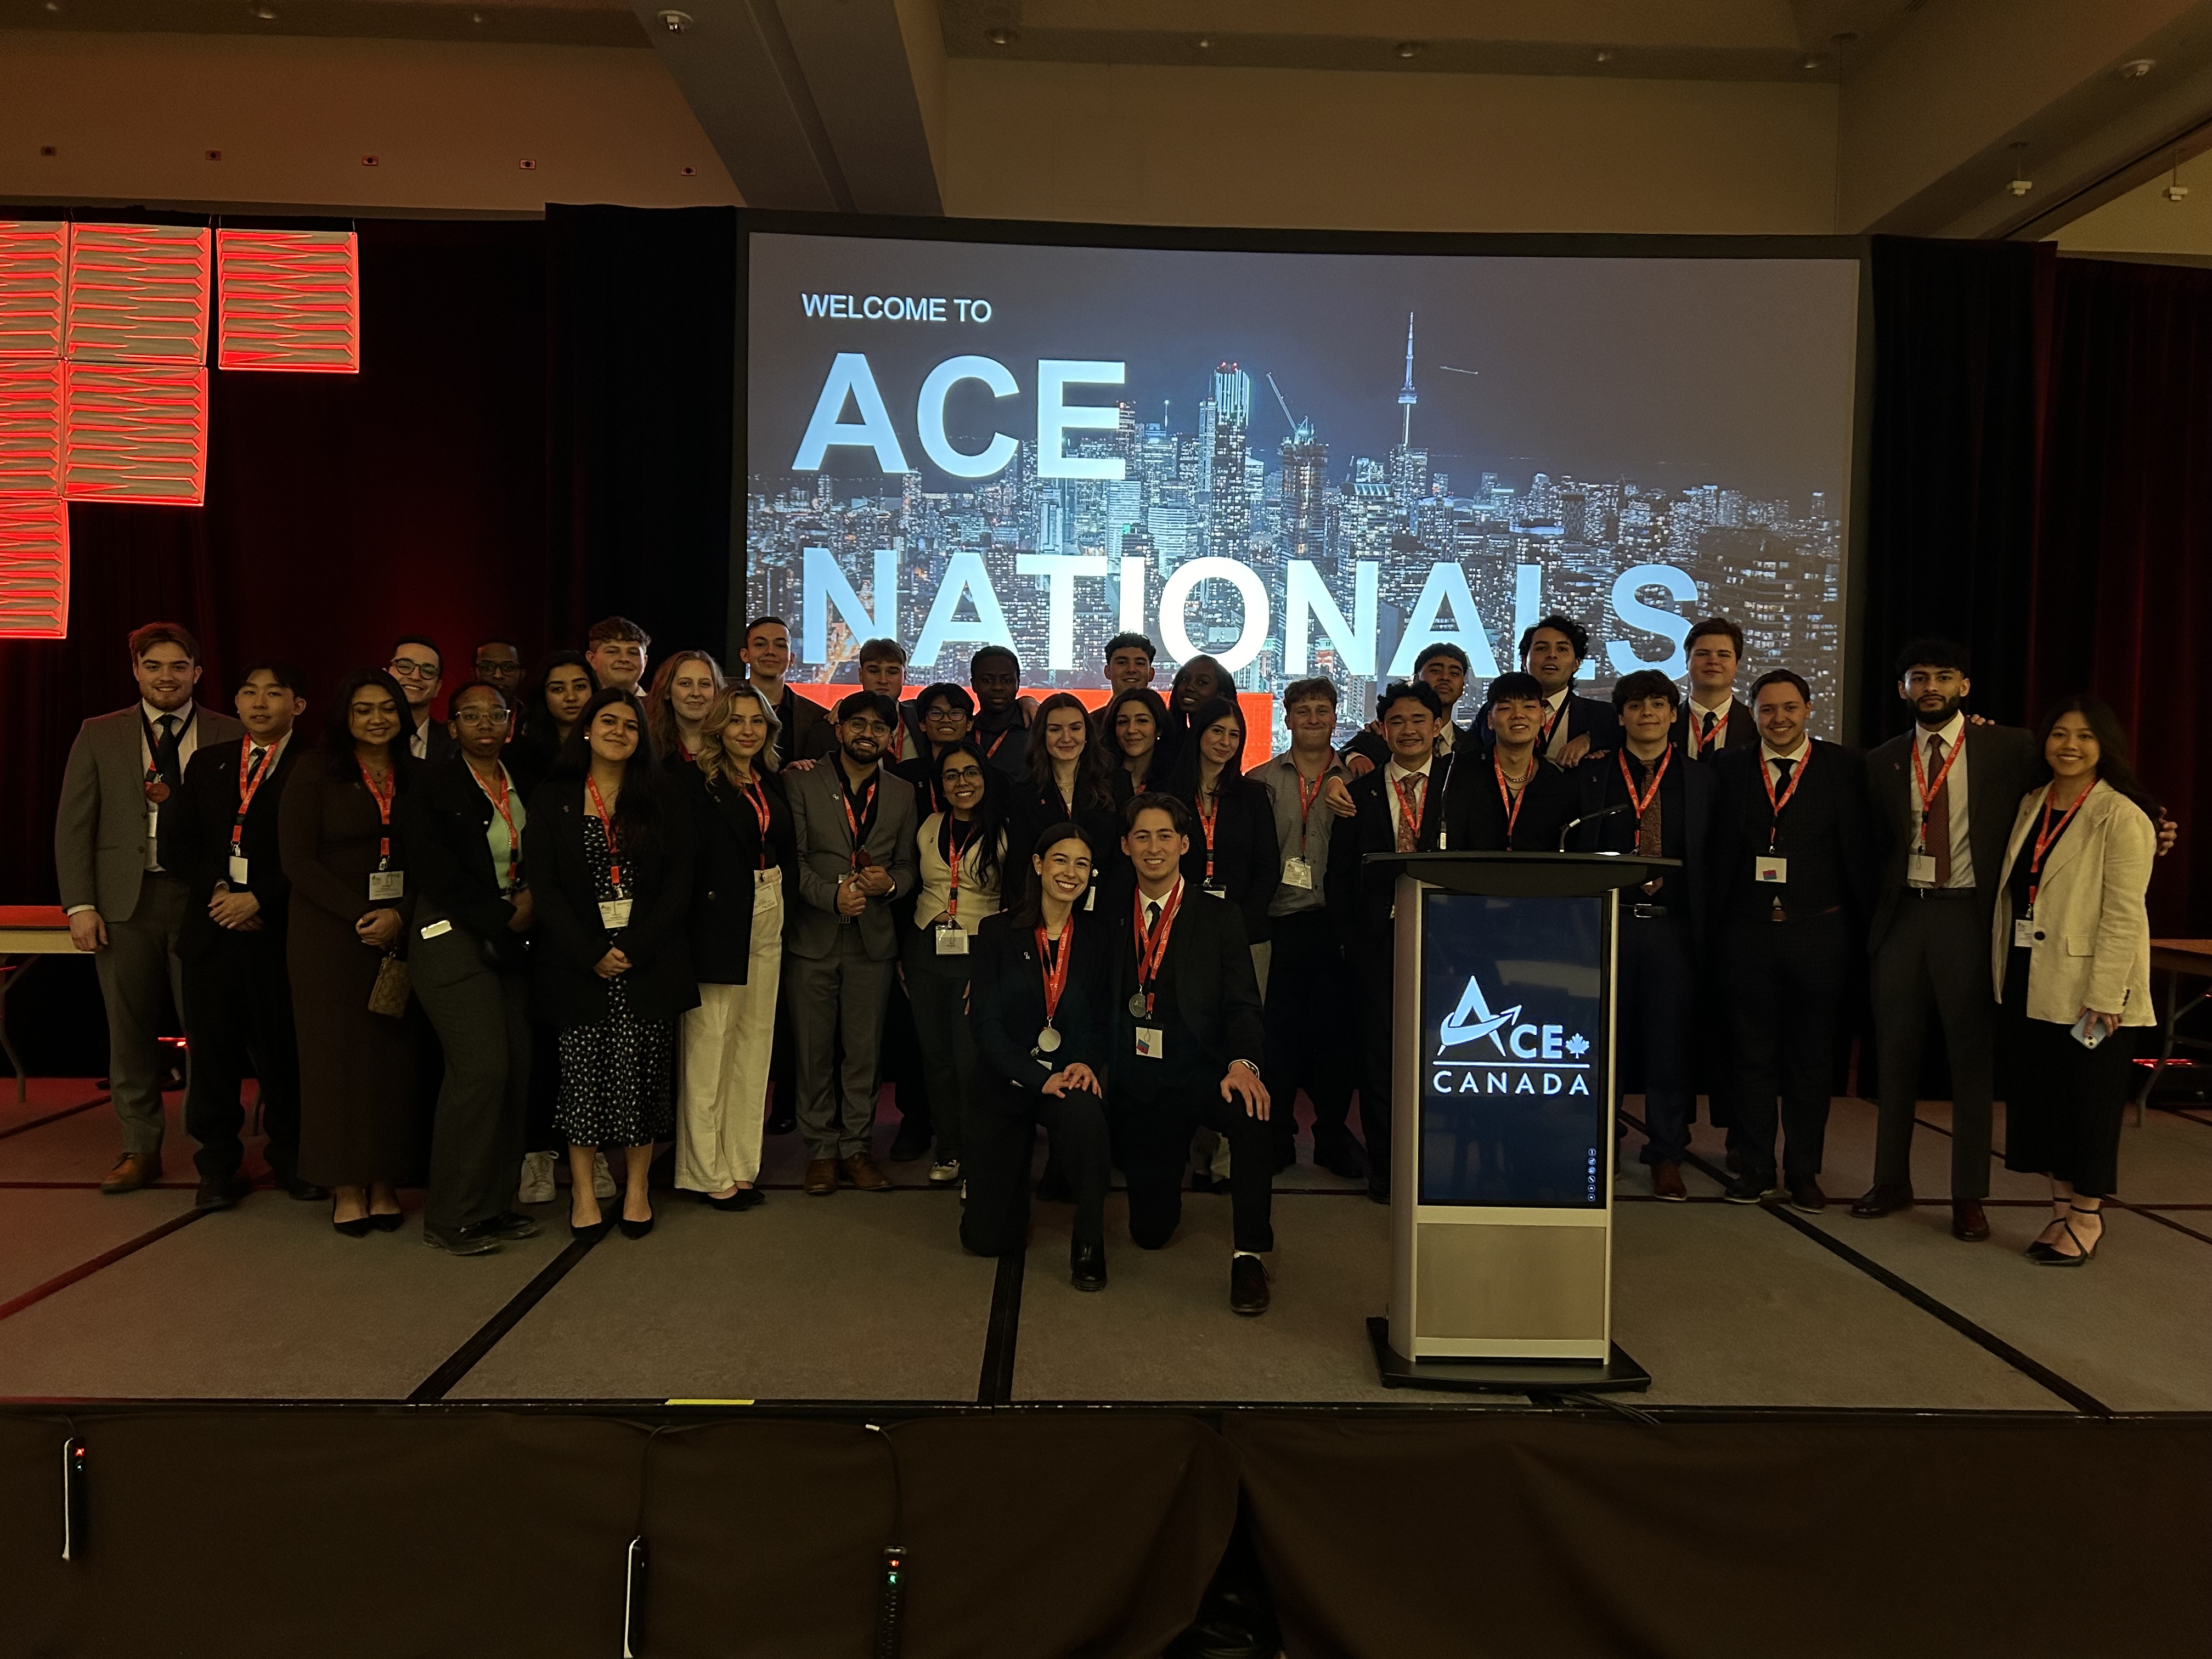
(289, 300)
(33, 568)
(138, 294)
(135, 432)
(31, 427)
(33, 283)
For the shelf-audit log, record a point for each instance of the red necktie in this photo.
(1936, 832)
(1409, 811)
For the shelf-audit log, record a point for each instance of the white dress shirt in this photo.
(1554, 705)
(1720, 712)
(1962, 845)
(1768, 754)
(1391, 776)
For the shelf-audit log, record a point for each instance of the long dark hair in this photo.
(1092, 766)
(338, 735)
(1161, 750)
(2115, 763)
(1182, 777)
(989, 818)
(535, 730)
(1028, 910)
(644, 799)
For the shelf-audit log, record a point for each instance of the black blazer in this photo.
(1998, 759)
(1742, 731)
(1035, 812)
(1206, 977)
(1005, 1003)
(570, 938)
(440, 744)
(1372, 744)
(1247, 865)
(196, 844)
(807, 732)
(444, 818)
(1693, 791)
(1827, 833)
(1474, 817)
(1359, 897)
(726, 856)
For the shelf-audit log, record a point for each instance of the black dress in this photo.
(2063, 1102)
(617, 1075)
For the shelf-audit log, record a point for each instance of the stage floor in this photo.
(867, 1299)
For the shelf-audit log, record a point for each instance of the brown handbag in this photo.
(388, 996)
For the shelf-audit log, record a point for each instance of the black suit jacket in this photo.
(1206, 981)
(1691, 790)
(1742, 731)
(659, 984)
(445, 820)
(807, 732)
(1247, 865)
(1474, 814)
(1827, 833)
(728, 849)
(1005, 1002)
(1997, 762)
(196, 844)
(1359, 897)
(1035, 812)
(440, 744)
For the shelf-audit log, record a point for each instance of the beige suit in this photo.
(2091, 944)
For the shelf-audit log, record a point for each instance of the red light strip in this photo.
(137, 432)
(33, 281)
(34, 568)
(290, 299)
(138, 294)
(31, 427)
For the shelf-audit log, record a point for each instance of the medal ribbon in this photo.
(1920, 779)
(247, 791)
(1511, 802)
(1055, 969)
(2047, 833)
(1150, 950)
(607, 823)
(513, 836)
(383, 807)
(1643, 803)
(1774, 807)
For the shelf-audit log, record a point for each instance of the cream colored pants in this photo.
(723, 1105)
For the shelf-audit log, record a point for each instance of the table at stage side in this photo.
(28, 931)
(2177, 959)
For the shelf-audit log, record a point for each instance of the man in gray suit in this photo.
(855, 826)
(124, 904)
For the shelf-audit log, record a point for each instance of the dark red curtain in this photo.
(2122, 585)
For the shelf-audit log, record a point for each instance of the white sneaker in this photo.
(536, 1186)
(944, 1172)
(602, 1180)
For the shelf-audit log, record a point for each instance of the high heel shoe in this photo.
(591, 1234)
(2050, 1255)
(357, 1228)
(386, 1224)
(635, 1229)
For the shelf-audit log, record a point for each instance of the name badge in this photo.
(768, 888)
(1767, 866)
(436, 929)
(952, 941)
(386, 883)
(2023, 931)
(1151, 1044)
(614, 913)
(1090, 899)
(1296, 873)
(1920, 868)
(237, 877)
(1215, 889)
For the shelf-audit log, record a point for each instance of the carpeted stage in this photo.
(1830, 1396)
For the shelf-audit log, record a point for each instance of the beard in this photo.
(1934, 718)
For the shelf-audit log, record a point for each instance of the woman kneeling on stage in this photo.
(1037, 994)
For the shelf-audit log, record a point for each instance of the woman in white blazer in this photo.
(2071, 953)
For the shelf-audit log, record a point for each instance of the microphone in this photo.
(1572, 825)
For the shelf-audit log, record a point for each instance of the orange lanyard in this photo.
(247, 791)
(1055, 969)
(1702, 741)
(383, 808)
(1511, 802)
(1920, 778)
(513, 836)
(853, 821)
(1151, 951)
(1643, 803)
(756, 792)
(607, 824)
(2047, 833)
(1774, 807)
(951, 848)
(1206, 823)
(1306, 799)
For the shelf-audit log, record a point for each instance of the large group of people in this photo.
(589, 915)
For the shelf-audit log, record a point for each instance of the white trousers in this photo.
(727, 1039)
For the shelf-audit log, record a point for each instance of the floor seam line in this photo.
(107, 1258)
(488, 1335)
(55, 1117)
(994, 1386)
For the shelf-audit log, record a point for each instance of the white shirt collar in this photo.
(1720, 710)
(155, 716)
(1558, 696)
(1769, 753)
(1395, 771)
(1951, 731)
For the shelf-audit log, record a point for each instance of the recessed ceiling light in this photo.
(1408, 49)
(1000, 37)
(689, 173)
(368, 160)
(527, 166)
(214, 155)
(266, 14)
(2136, 68)
(1205, 43)
(1603, 55)
(1810, 62)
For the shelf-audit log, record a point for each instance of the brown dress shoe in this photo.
(130, 1173)
(1667, 1182)
(1883, 1199)
(821, 1177)
(860, 1171)
(1967, 1221)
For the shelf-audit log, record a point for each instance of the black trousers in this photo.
(238, 1018)
(1372, 971)
(1787, 980)
(1152, 1120)
(1654, 983)
(1935, 961)
(1308, 992)
(481, 1016)
(994, 1163)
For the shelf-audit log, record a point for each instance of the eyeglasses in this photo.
(481, 717)
(963, 775)
(401, 668)
(488, 666)
(942, 713)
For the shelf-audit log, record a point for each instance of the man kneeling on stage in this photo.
(1187, 1047)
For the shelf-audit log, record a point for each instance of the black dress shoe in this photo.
(1883, 1199)
(1086, 1267)
(1341, 1156)
(635, 1229)
(746, 1198)
(471, 1240)
(357, 1228)
(1745, 1189)
(1806, 1196)
(386, 1224)
(306, 1192)
(1248, 1285)
(221, 1194)
(1967, 1221)
(510, 1224)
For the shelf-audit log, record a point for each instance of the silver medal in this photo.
(1047, 1039)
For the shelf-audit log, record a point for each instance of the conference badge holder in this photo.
(1920, 869)
(1296, 873)
(386, 884)
(237, 870)
(614, 913)
(768, 888)
(1771, 868)
(951, 939)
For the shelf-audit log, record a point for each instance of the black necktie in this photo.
(1782, 776)
(165, 759)
(1706, 736)
(254, 764)
(1152, 915)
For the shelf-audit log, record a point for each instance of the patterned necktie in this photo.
(1409, 811)
(254, 764)
(1935, 830)
(167, 760)
(1647, 822)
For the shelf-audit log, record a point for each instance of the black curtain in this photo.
(1951, 508)
(641, 352)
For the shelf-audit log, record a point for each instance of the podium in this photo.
(1502, 1122)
